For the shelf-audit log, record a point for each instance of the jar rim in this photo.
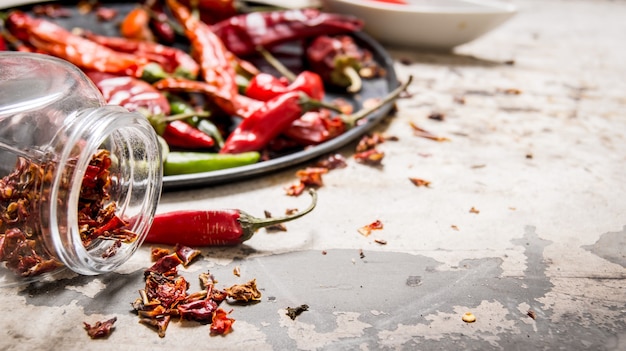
(132, 143)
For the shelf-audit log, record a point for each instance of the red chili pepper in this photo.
(198, 228)
(315, 127)
(173, 60)
(136, 25)
(265, 86)
(256, 131)
(337, 60)
(183, 135)
(3, 44)
(130, 93)
(238, 105)
(216, 63)
(212, 11)
(160, 23)
(84, 53)
(242, 34)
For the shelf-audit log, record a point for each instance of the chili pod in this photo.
(198, 228)
(337, 59)
(181, 134)
(197, 162)
(264, 86)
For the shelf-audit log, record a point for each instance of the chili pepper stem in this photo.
(311, 104)
(279, 66)
(251, 224)
(350, 120)
(356, 83)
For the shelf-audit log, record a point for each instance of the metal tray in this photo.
(372, 88)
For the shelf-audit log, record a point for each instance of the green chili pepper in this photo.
(196, 162)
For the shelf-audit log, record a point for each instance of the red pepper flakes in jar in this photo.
(79, 180)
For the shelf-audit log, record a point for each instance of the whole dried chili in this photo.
(315, 127)
(213, 227)
(244, 33)
(180, 134)
(173, 60)
(265, 86)
(337, 59)
(130, 93)
(55, 40)
(216, 63)
(266, 123)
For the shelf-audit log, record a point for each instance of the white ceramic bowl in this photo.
(434, 24)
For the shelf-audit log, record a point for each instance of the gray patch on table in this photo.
(611, 246)
(405, 288)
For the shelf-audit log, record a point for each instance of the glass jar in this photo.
(79, 180)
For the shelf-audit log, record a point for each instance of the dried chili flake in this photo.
(312, 176)
(158, 252)
(186, 254)
(221, 323)
(419, 182)
(295, 189)
(199, 310)
(166, 265)
(160, 323)
(474, 210)
(531, 314)
(331, 162)
(367, 229)
(294, 312)
(100, 329)
(372, 157)
(368, 142)
(421, 132)
(237, 271)
(244, 292)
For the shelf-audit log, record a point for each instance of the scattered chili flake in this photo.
(221, 323)
(454, 227)
(101, 329)
(421, 132)
(366, 230)
(312, 176)
(474, 210)
(361, 254)
(237, 271)
(278, 227)
(380, 241)
(294, 312)
(531, 314)
(371, 157)
(510, 91)
(420, 182)
(186, 254)
(437, 116)
(244, 292)
(370, 141)
(332, 162)
(157, 252)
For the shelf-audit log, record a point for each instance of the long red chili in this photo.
(266, 123)
(265, 86)
(84, 53)
(173, 60)
(131, 93)
(216, 63)
(181, 134)
(243, 34)
(197, 228)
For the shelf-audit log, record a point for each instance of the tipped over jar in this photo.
(79, 180)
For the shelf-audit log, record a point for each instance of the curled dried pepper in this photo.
(244, 33)
(173, 60)
(84, 53)
(216, 63)
(214, 227)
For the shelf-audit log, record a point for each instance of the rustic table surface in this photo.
(523, 223)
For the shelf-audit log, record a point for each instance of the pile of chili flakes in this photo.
(166, 295)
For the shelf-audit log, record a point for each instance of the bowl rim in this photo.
(482, 6)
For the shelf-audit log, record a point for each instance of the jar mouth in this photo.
(135, 175)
